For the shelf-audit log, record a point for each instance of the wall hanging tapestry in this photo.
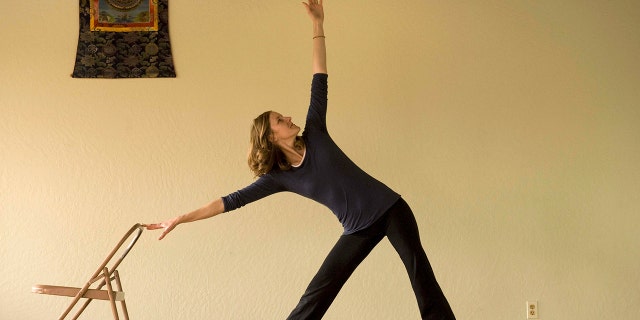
(124, 39)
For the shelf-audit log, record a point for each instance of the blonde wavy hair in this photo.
(264, 154)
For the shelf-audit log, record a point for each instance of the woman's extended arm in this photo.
(316, 13)
(211, 209)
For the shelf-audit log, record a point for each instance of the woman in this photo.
(313, 166)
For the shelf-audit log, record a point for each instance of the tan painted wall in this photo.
(511, 127)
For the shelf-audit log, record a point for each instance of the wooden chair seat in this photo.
(72, 292)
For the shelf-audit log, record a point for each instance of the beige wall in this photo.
(511, 127)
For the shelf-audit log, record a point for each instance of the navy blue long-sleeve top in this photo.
(326, 175)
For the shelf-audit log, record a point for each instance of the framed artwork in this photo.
(124, 15)
(124, 39)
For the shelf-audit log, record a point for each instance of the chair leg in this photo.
(112, 299)
(76, 299)
(84, 306)
(123, 303)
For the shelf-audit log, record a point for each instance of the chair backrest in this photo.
(137, 228)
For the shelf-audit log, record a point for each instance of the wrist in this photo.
(318, 29)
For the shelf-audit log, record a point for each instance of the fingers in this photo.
(312, 3)
(164, 233)
(155, 226)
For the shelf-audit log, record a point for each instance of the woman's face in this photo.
(282, 128)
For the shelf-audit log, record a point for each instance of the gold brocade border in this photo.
(101, 22)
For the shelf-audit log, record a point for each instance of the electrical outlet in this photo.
(532, 309)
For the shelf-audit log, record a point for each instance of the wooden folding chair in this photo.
(105, 275)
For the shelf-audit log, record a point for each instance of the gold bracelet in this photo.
(318, 37)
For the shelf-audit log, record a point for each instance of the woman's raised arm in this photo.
(316, 13)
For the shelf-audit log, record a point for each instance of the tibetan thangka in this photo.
(124, 39)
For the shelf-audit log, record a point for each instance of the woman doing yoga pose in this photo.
(313, 166)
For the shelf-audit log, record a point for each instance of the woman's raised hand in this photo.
(315, 10)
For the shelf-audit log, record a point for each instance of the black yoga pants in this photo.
(399, 225)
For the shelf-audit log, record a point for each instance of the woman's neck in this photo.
(293, 154)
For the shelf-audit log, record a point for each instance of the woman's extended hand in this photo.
(315, 10)
(213, 208)
(167, 226)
